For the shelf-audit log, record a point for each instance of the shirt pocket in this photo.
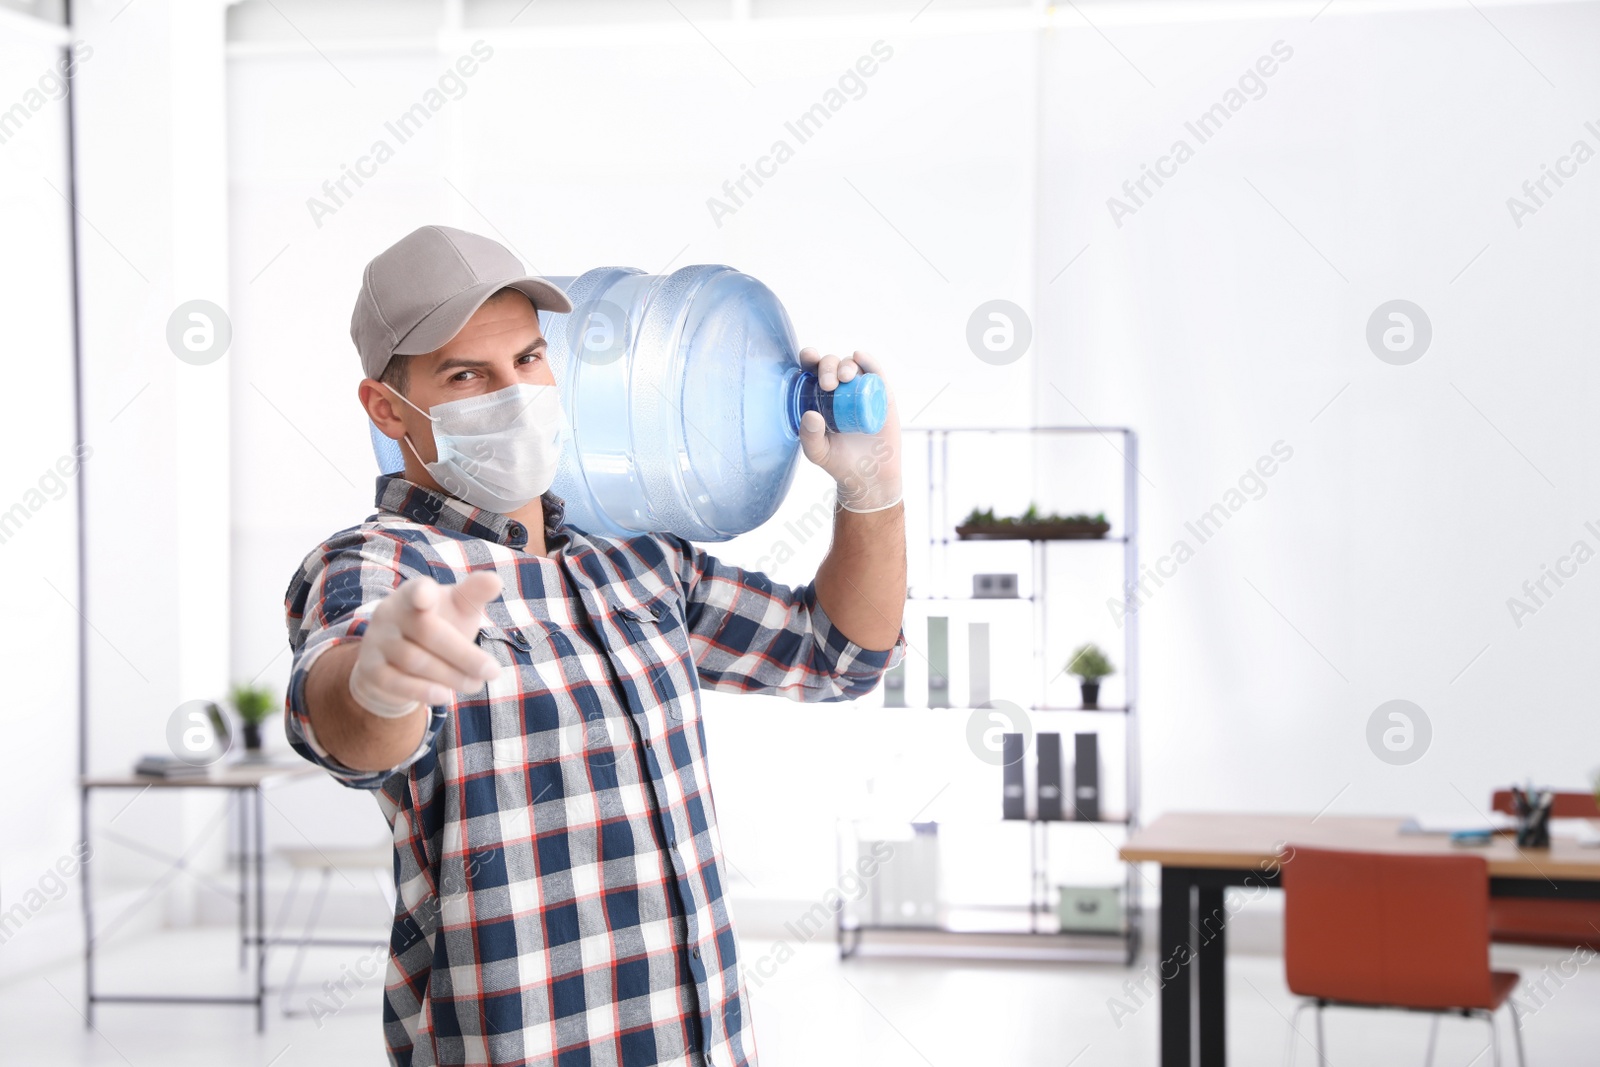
(661, 642)
(524, 701)
(656, 621)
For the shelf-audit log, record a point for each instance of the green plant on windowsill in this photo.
(1089, 664)
(254, 705)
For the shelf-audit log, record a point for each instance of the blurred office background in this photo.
(1221, 313)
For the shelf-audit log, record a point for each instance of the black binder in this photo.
(1015, 801)
(1049, 778)
(1086, 777)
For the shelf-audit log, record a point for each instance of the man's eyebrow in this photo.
(538, 343)
(460, 363)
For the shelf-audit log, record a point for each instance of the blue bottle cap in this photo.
(860, 405)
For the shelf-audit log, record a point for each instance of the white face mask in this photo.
(499, 450)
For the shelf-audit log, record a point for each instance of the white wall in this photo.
(38, 507)
(1379, 562)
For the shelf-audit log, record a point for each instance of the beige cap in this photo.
(418, 293)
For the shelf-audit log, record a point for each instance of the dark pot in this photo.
(1091, 693)
(252, 737)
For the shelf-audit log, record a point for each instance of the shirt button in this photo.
(695, 953)
(517, 530)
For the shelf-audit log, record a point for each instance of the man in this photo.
(524, 697)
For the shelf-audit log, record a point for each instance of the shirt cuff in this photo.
(853, 663)
(297, 723)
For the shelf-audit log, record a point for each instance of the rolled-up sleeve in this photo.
(329, 601)
(749, 634)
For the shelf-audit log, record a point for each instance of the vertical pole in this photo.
(935, 551)
(1130, 621)
(1044, 872)
(88, 908)
(242, 811)
(945, 525)
(261, 909)
(1033, 877)
(1041, 620)
(838, 876)
(81, 499)
(1133, 905)
(80, 493)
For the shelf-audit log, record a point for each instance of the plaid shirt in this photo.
(559, 870)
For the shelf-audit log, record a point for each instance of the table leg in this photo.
(261, 914)
(1173, 967)
(88, 909)
(1211, 974)
(236, 798)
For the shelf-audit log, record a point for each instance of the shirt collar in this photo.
(422, 505)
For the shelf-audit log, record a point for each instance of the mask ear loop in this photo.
(406, 438)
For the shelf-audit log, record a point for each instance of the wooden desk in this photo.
(1201, 855)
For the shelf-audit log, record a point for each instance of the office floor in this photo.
(812, 1011)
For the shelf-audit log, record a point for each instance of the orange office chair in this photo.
(1549, 923)
(1380, 930)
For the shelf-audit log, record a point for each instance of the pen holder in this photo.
(1532, 811)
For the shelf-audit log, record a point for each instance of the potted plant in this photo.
(254, 705)
(1090, 665)
(982, 524)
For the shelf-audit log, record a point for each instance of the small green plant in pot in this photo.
(254, 705)
(1089, 665)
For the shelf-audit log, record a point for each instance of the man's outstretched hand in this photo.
(420, 645)
(865, 466)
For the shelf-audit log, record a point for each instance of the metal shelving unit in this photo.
(941, 521)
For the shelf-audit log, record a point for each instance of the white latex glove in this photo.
(865, 466)
(420, 644)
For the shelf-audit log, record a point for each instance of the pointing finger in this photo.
(420, 661)
(454, 645)
(468, 596)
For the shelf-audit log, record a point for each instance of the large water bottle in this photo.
(684, 393)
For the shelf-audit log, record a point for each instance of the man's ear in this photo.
(381, 408)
